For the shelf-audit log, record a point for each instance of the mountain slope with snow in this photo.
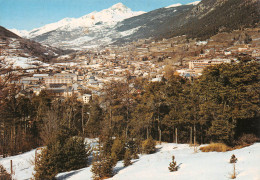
(19, 53)
(115, 25)
(79, 32)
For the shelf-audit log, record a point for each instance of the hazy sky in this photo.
(29, 14)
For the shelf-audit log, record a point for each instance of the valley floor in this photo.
(200, 165)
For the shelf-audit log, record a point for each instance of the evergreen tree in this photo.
(63, 154)
(4, 175)
(173, 165)
(148, 146)
(127, 158)
(118, 150)
(102, 166)
(233, 159)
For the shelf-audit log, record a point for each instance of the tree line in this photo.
(219, 106)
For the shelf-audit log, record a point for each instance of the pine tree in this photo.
(102, 166)
(61, 155)
(4, 175)
(135, 155)
(173, 165)
(148, 146)
(233, 159)
(127, 158)
(118, 149)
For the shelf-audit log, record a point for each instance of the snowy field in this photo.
(201, 166)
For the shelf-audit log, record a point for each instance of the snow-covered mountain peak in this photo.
(119, 6)
(110, 16)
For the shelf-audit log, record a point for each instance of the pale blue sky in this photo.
(29, 14)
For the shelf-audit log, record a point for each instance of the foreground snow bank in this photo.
(22, 165)
(202, 166)
(213, 165)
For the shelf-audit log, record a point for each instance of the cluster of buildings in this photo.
(86, 72)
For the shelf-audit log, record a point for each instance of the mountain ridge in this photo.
(200, 19)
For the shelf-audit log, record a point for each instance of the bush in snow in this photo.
(102, 166)
(127, 158)
(4, 175)
(60, 156)
(173, 165)
(148, 146)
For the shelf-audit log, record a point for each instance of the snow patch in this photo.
(21, 33)
(129, 32)
(174, 5)
(194, 3)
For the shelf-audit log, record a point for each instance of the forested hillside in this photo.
(220, 106)
(210, 17)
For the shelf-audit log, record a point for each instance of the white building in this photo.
(86, 98)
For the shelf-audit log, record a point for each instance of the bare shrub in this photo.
(218, 147)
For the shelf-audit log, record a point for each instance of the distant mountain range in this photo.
(119, 24)
(90, 30)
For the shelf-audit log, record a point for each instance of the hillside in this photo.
(4, 33)
(203, 166)
(24, 53)
(210, 17)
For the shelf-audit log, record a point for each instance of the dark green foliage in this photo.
(118, 150)
(148, 146)
(173, 165)
(135, 156)
(127, 158)
(102, 166)
(93, 125)
(233, 159)
(59, 157)
(220, 130)
(247, 139)
(134, 146)
(107, 143)
(230, 96)
(4, 175)
(77, 153)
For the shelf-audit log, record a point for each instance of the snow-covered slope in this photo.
(22, 53)
(197, 166)
(21, 33)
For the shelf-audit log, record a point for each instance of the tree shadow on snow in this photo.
(67, 175)
(158, 149)
(117, 169)
(179, 166)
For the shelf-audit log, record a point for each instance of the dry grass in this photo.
(218, 147)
